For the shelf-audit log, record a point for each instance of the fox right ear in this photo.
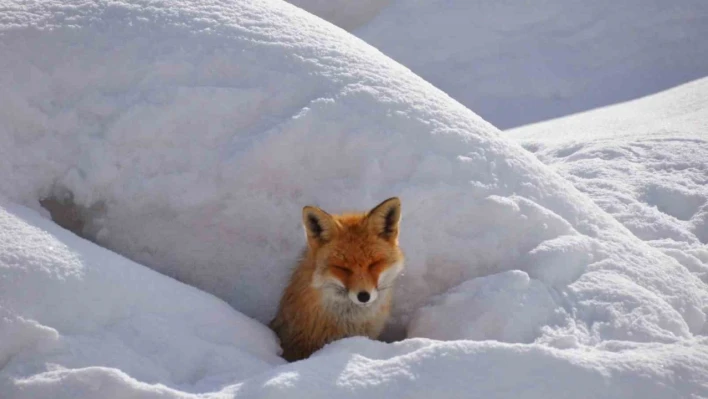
(384, 218)
(319, 225)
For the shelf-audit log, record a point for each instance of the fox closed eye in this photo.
(340, 268)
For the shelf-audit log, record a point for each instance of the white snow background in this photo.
(190, 134)
(516, 62)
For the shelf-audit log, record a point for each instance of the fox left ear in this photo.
(383, 219)
(320, 226)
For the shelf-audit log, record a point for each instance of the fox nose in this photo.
(363, 296)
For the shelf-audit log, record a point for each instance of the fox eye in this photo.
(341, 269)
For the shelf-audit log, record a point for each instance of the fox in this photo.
(343, 284)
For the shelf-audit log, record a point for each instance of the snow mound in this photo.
(72, 311)
(192, 146)
(644, 161)
(420, 368)
(507, 307)
(187, 136)
(522, 62)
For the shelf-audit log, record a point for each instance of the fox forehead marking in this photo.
(338, 256)
(357, 256)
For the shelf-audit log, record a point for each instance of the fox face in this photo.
(356, 256)
(342, 285)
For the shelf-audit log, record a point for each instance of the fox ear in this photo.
(319, 225)
(383, 219)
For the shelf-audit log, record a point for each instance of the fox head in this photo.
(356, 256)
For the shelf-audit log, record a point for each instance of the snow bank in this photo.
(521, 62)
(508, 307)
(644, 162)
(187, 136)
(190, 137)
(78, 321)
(419, 368)
(73, 315)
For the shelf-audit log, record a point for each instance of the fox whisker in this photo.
(339, 290)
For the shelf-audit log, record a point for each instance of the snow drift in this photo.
(187, 137)
(521, 62)
(78, 321)
(644, 162)
(74, 313)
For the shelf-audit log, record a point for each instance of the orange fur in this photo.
(346, 256)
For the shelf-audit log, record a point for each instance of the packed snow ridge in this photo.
(186, 137)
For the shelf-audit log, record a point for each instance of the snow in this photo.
(187, 136)
(644, 162)
(521, 62)
(509, 307)
(81, 322)
(74, 315)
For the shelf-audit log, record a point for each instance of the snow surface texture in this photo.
(78, 321)
(189, 136)
(645, 162)
(517, 62)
